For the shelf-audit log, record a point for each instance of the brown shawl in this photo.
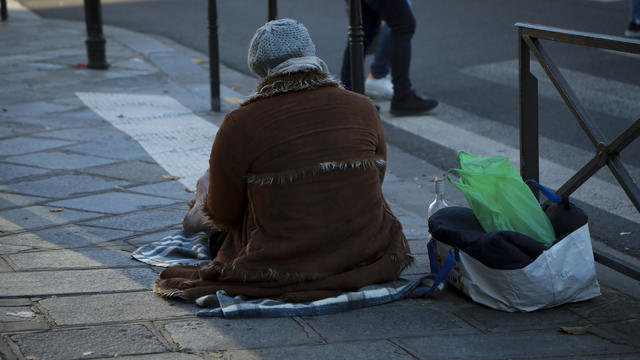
(296, 180)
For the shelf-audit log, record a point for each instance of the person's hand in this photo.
(195, 221)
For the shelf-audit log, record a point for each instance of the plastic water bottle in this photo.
(439, 202)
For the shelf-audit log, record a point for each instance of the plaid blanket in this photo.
(184, 248)
(223, 305)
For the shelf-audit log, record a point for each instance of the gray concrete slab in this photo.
(172, 189)
(58, 160)
(124, 150)
(496, 321)
(4, 266)
(46, 283)
(10, 172)
(32, 217)
(400, 319)
(420, 265)
(11, 249)
(224, 334)
(609, 307)
(23, 145)
(105, 134)
(166, 356)
(521, 345)
(133, 171)
(34, 108)
(63, 186)
(114, 202)
(619, 332)
(381, 349)
(94, 342)
(21, 318)
(67, 236)
(8, 201)
(143, 221)
(68, 259)
(121, 307)
(418, 246)
(68, 120)
(16, 313)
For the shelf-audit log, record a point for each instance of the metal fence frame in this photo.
(3, 10)
(606, 153)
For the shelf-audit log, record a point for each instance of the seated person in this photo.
(295, 181)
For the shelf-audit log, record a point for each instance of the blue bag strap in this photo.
(553, 197)
(433, 261)
(441, 273)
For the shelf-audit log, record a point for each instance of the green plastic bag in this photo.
(499, 198)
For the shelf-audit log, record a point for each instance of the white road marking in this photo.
(604, 195)
(172, 134)
(595, 93)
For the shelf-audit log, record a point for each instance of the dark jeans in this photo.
(399, 17)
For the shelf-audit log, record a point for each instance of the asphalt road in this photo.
(451, 37)
(464, 55)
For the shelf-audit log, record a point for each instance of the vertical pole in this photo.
(528, 98)
(356, 46)
(214, 61)
(3, 10)
(273, 10)
(95, 40)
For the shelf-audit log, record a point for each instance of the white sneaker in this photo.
(382, 88)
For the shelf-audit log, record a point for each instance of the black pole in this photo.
(214, 65)
(95, 40)
(356, 46)
(273, 10)
(3, 10)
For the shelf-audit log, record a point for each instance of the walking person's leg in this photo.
(378, 81)
(633, 30)
(370, 25)
(398, 15)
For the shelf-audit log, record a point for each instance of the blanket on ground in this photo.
(183, 248)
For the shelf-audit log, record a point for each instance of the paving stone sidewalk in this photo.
(77, 195)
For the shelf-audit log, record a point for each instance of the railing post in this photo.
(528, 98)
(356, 46)
(3, 10)
(273, 10)
(95, 42)
(214, 61)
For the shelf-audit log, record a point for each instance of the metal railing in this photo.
(356, 47)
(214, 56)
(3, 10)
(606, 153)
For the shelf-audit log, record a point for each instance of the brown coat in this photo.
(296, 179)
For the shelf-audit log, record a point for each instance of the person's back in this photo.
(315, 162)
(296, 180)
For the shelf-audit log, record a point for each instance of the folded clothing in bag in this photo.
(458, 227)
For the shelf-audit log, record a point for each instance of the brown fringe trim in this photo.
(168, 293)
(324, 167)
(268, 274)
(283, 83)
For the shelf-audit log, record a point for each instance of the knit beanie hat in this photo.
(278, 41)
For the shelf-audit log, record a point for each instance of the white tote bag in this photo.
(562, 274)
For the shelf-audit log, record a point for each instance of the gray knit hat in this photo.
(278, 41)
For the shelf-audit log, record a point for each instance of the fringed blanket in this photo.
(184, 248)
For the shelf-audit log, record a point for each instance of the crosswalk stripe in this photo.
(595, 93)
(597, 192)
(172, 135)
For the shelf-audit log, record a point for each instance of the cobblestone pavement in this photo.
(80, 190)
